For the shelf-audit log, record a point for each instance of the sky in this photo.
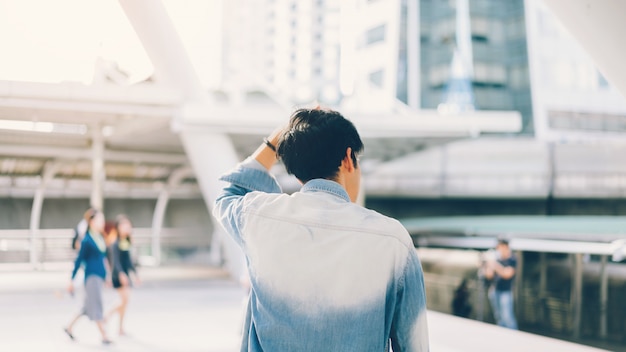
(56, 41)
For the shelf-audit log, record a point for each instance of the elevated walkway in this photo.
(512, 168)
(167, 137)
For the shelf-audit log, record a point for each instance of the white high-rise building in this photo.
(380, 47)
(288, 47)
(520, 58)
(393, 55)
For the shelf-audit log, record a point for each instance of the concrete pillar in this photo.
(519, 283)
(199, 145)
(49, 170)
(576, 294)
(413, 54)
(157, 224)
(161, 206)
(604, 296)
(543, 285)
(97, 168)
(480, 295)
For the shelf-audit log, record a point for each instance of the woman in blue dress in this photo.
(92, 257)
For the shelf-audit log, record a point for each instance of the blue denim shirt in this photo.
(326, 274)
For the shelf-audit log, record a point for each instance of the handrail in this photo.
(54, 245)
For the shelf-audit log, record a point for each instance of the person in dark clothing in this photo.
(460, 304)
(501, 271)
(92, 256)
(122, 266)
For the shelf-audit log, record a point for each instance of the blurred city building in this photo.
(413, 76)
(467, 107)
(288, 48)
(452, 55)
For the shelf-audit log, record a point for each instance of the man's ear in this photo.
(347, 161)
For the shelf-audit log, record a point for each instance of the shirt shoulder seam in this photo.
(320, 225)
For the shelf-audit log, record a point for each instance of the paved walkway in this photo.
(177, 309)
(189, 309)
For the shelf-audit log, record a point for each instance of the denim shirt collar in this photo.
(328, 186)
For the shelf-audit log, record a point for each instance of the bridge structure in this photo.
(170, 137)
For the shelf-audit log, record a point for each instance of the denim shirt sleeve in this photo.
(409, 329)
(248, 176)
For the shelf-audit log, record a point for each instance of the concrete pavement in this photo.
(188, 309)
(184, 317)
(177, 309)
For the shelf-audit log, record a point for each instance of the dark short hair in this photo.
(504, 241)
(315, 143)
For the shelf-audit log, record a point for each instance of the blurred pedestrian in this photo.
(110, 234)
(92, 256)
(460, 303)
(79, 234)
(326, 274)
(120, 259)
(81, 229)
(501, 271)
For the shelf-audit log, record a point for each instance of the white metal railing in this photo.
(54, 245)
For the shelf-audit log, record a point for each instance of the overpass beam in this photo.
(598, 26)
(166, 51)
(173, 67)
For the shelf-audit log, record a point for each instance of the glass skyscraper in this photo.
(493, 46)
(453, 56)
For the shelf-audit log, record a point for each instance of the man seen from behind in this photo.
(326, 274)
